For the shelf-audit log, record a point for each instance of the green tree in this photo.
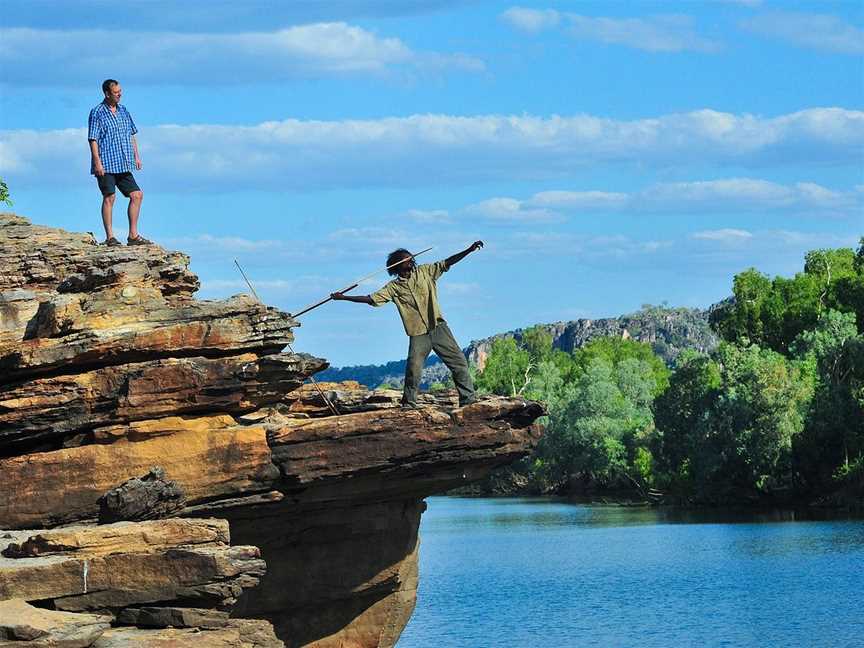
(584, 438)
(4, 193)
(729, 422)
(600, 423)
(681, 412)
(547, 384)
(742, 319)
(759, 410)
(615, 349)
(834, 432)
(537, 341)
(508, 369)
(772, 313)
(849, 289)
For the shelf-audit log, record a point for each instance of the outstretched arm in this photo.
(357, 299)
(456, 258)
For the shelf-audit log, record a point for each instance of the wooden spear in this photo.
(357, 283)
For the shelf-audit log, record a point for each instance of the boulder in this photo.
(142, 498)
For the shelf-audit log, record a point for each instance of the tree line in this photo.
(775, 412)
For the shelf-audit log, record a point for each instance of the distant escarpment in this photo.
(668, 330)
(294, 509)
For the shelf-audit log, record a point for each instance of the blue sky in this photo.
(610, 154)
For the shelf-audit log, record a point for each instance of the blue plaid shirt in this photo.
(113, 133)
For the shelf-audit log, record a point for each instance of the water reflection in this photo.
(554, 512)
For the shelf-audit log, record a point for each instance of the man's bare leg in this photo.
(107, 211)
(135, 199)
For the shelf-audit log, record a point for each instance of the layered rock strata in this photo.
(110, 367)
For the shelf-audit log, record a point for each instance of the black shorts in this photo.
(125, 182)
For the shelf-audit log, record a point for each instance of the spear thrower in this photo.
(330, 404)
(355, 284)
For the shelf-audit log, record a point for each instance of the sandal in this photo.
(139, 240)
(111, 242)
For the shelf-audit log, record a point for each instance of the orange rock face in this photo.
(54, 407)
(209, 457)
(109, 367)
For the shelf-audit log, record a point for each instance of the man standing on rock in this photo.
(113, 151)
(415, 294)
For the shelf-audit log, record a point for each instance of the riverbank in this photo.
(510, 482)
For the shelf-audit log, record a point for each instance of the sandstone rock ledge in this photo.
(109, 367)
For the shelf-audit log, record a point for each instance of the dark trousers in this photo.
(441, 340)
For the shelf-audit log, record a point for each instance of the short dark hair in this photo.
(107, 83)
(395, 256)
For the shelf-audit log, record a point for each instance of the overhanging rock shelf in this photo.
(300, 526)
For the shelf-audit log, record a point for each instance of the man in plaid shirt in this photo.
(113, 151)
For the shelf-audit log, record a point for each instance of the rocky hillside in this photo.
(166, 478)
(667, 330)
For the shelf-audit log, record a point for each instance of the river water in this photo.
(521, 573)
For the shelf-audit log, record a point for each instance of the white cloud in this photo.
(664, 33)
(200, 15)
(377, 234)
(377, 241)
(656, 34)
(749, 195)
(429, 215)
(810, 240)
(586, 248)
(9, 161)
(580, 199)
(728, 248)
(423, 150)
(531, 20)
(455, 288)
(508, 209)
(298, 286)
(311, 50)
(809, 30)
(227, 243)
(723, 235)
(655, 246)
(732, 195)
(744, 190)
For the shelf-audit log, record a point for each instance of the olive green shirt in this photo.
(416, 297)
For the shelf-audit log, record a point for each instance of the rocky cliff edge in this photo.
(297, 526)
